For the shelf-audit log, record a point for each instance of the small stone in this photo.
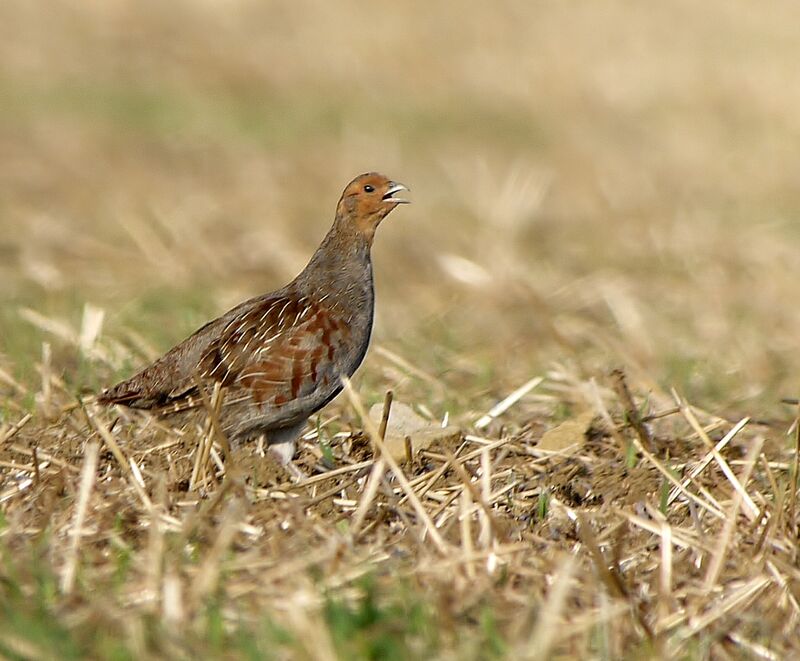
(404, 421)
(568, 437)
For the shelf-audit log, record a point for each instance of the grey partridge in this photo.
(280, 357)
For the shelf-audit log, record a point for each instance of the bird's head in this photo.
(367, 200)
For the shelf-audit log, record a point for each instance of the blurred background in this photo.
(598, 184)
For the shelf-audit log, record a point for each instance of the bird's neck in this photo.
(342, 261)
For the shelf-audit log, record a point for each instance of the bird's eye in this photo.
(369, 188)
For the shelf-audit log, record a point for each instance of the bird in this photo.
(280, 357)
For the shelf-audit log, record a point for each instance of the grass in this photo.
(595, 187)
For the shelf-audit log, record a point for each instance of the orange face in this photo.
(368, 199)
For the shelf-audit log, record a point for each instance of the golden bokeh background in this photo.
(595, 184)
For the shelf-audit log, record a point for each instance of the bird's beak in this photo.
(395, 187)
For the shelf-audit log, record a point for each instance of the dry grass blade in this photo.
(546, 630)
(466, 481)
(466, 532)
(81, 508)
(795, 475)
(45, 456)
(610, 576)
(673, 480)
(387, 409)
(209, 571)
(37, 475)
(707, 459)
(665, 577)
(430, 528)
(405, 365)
(484, 445)
(13, 430)
(737, 598)
(721, 548)
(751, 509)
(339, 488)
(46, 371)
(172, 599)
(488, 526)
(680, 538)
(155, 547)
(328, 475)
(602, 409)
(213, 408)
(503, 405)
(429, 479)
(63, 331)
(212, 431)
(368, 495)
(9, 380)
(754, 648)
(124, 464)
(631, 412)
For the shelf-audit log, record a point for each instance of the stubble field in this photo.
(591, 306)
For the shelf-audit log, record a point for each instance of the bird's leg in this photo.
(283, 453)
(282, 444)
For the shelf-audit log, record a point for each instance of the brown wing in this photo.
(278, 352)
(273, 351)
(174, 375)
